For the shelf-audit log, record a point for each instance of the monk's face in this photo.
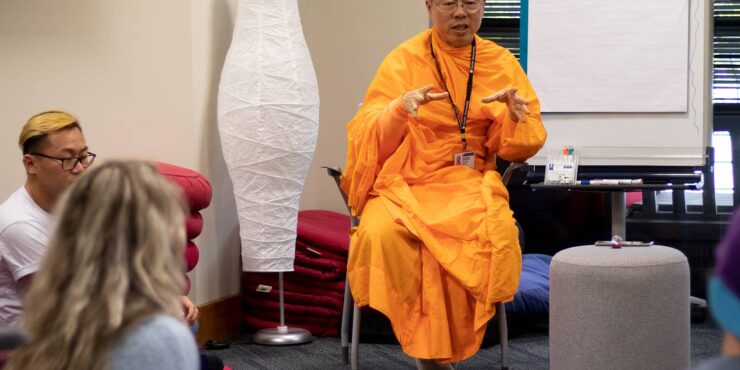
(456, 21)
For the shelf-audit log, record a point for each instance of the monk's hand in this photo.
(515, 103)
(413, 99)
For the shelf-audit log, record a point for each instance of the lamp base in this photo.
(282, 336)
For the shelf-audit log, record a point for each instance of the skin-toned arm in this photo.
(516, 104)
(391, 130)
(191, 311)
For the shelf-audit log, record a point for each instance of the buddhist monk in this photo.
(437, 245)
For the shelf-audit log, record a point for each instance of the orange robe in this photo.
(437, 245)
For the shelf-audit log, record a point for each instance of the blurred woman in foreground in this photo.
(107, 295)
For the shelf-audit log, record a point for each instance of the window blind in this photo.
(726, 89)
(501, 23)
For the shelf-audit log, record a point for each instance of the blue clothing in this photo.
(159, 343)
(533, 295)
(722, 363)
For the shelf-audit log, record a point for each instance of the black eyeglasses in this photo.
(470, 6)
(71, 162)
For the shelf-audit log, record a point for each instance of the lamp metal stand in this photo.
(282, 335)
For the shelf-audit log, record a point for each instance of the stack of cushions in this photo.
(314, 291)
(197, 192)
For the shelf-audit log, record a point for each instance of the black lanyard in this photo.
(461, 123)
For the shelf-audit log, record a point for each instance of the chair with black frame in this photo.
(350, 355)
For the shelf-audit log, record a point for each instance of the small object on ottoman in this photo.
(624, 308)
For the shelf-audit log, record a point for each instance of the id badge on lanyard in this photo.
(463, 158)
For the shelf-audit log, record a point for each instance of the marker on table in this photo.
(568, 154)
(610, 182)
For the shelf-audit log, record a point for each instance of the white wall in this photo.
(101, 60)
(142, 77)
(348, 39)
(218, 271)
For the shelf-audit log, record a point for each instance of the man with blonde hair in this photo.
(54, 154)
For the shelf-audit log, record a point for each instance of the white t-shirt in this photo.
(24, 234)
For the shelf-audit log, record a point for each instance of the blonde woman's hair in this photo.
(114, 260)
(40, 125)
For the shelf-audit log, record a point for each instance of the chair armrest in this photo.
(336, 174)
(515, 168)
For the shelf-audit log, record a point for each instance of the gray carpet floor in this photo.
(529, 351)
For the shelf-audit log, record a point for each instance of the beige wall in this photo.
(218, 271)
(100, 60)
(142, 76)
(348, 39)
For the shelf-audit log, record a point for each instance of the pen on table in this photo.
(610, 182)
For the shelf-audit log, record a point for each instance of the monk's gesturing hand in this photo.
(516, 104)
(414, 98)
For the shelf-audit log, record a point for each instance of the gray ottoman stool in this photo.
(622, 308)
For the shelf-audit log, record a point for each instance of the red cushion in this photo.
(188, 285)
(292, 318)
(317, 250)
(293, 283)
(259, 303)
(254, 324)
(325, 229)
(197, 189)
(333, 269)
(194, 225)
(191, 256)
(632, 197)
(298, 298)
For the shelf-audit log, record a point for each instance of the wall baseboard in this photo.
(220, 319)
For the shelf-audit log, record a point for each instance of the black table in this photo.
(618, 197)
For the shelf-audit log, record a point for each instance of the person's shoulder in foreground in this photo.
(161, 342)
(724, 298)
(722, 363)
